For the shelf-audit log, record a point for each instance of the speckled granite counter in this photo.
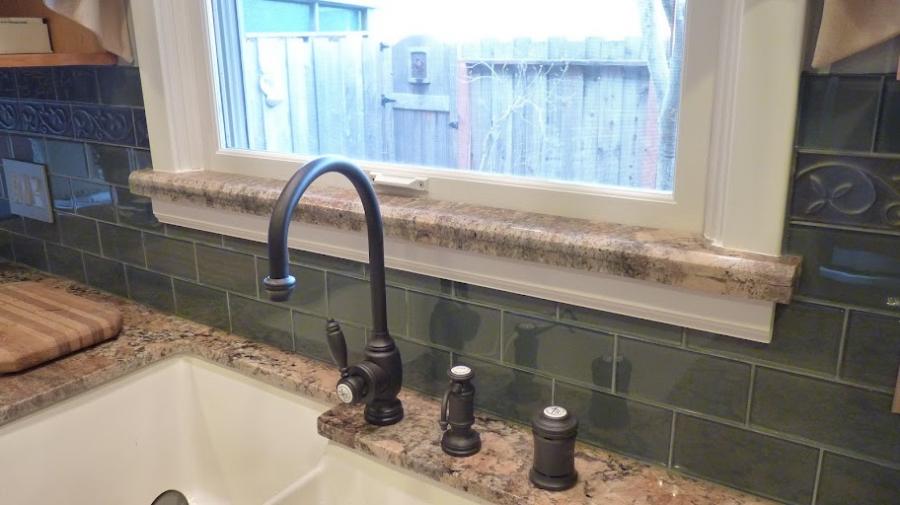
(672, 258)
(498, 473)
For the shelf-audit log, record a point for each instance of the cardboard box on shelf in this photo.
(24, 36)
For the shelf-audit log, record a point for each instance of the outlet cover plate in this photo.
(28, 190)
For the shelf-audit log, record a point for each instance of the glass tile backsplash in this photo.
(804, 420)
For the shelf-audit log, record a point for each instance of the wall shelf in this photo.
(56, 59)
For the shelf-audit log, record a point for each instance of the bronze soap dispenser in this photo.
(458, 414)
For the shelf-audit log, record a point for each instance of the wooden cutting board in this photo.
(38, 324)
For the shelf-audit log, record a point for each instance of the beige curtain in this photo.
(106, 18)
(851, 26)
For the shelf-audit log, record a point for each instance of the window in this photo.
(581, 92)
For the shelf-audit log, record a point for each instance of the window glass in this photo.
(276, 16)
(574, 91)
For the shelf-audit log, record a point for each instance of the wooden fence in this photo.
(577, 111)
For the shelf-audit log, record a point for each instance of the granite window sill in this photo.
(661, 256)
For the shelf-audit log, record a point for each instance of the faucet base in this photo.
(384, 412)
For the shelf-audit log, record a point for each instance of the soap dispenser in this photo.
(458, 414)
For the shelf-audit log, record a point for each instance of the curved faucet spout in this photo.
(280, 283)
(377, 380)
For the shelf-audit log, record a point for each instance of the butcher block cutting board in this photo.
(38, 324)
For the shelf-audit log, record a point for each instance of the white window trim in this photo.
(731, 181)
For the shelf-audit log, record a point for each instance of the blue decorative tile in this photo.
(45, 118)
(142, 159)
(615, 423)
(76, 84)
(141, 135)
(558, 349)
(838, 112)
(120, 85)
(847, 190)
(744, 459)
(9, 115)
(8, 83)
(35, 83)
(888, 141)
(104, 124)
(826, 412)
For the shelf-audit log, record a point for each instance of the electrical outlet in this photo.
(28, 190)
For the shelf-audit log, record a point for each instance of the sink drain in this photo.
(170, 497)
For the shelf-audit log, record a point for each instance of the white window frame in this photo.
(733, 161)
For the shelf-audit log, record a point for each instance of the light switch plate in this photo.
(28, 190)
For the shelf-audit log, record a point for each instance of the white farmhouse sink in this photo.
(208, 432)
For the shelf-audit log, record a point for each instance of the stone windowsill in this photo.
(666, 257)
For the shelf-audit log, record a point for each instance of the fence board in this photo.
(634, 96)
(256, 135)
(301, 93)
(273, 83)
(373, 110)
(608, 87)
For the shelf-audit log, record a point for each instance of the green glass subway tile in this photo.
(29, 251)
(309, 293)
(66, 158)
(888, 140)
(618, 424)
(619, 324)
(202, 304)
(170, 256)
(260, 321)
(136, 210)
(309, 338)
(838, 112)
(851, 481)
(450, 323)
(872, 351)
(123, 244)
(66, 262)
(28, 149)
(424, 368)
(826, 412)
(505, 300)
(150, 288)
(847, 266)
(419, 282)
(61, 193)
(94, 200)
(226, 269)
(744, 459)
(806, 336)
(506, 392)
(142, 159)
(105, 274)
(10, 222)
(682, 378)
(324, 262)
(110, 164)
(42, 230)
(6, 250)
(79, 232)
(558, 349)
(192, 234)
(246, 246)
(349, 299)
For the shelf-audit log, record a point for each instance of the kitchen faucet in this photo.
(375, 381)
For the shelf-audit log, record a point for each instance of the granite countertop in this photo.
(663, 256)
(498, 473)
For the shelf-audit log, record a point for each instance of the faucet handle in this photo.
(337, 344)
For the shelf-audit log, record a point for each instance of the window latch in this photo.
(399, 182)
